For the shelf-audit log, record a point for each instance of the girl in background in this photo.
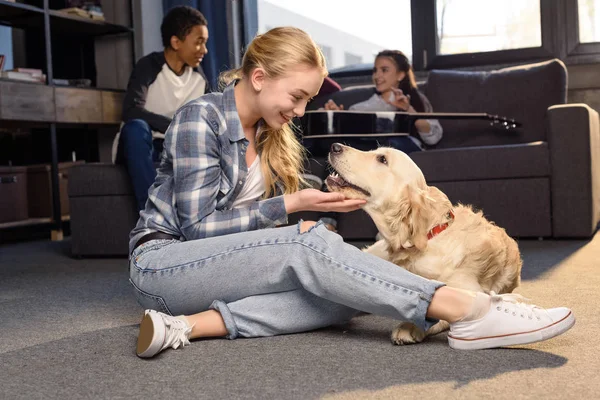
(396, 90)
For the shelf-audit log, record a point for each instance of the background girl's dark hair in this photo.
(408, 85)
(179, 21)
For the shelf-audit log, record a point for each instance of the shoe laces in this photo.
(177, 332)
(516, 304)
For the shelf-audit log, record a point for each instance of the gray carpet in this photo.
(68, 330)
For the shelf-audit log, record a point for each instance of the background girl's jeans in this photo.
(138, 152)
(275, 281)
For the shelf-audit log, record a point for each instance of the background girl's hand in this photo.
(401, 101)
(330, 105)
(316, 200)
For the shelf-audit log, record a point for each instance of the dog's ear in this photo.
(406, 217)
(419, 221)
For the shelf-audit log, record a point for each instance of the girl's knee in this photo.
(305, 226)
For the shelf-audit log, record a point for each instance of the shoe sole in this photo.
(151, 337)
(539, 335)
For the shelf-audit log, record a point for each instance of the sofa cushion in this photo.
(489, 162)
(99, 179)
(524, 92)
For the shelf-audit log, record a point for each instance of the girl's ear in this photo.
(257, 78)
(401, 75)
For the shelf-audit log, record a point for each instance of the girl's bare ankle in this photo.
(479, 307)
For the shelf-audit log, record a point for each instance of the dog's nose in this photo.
(336, 148)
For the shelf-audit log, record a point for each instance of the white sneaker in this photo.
(509, 322)
(159, 331)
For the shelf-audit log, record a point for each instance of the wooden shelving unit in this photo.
(32, 221)
(25, 104)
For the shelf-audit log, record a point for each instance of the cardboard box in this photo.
(13, 194)
(39, 189)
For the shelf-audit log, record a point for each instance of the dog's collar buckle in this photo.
(436, 230)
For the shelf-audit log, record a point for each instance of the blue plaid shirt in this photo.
(202, 171)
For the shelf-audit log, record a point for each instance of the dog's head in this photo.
(398, 199)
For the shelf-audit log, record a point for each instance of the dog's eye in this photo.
(382, 159)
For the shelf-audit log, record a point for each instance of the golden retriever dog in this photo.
(422, 231)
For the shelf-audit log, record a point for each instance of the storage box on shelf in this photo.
(78, 105)
(112, 105)
(24, 101)
(13, 194)
(39, 189)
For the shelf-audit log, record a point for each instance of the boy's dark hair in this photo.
(179, 21)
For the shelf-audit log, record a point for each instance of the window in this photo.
(583, 31)
(350, 59)
(352, 33)
(589, 21)
(462, 33)
(473, 26)
(441, 33)
(327, 53)
(6, 48)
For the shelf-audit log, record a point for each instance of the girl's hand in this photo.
(316, 200)
(330, 105)
(401, 101)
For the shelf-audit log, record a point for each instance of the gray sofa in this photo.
(542, 181)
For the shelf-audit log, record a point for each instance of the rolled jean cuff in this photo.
(421, 319)
(230, 325)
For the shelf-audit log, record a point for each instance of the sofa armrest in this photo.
(574, 142)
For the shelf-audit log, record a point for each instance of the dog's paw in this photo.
(407, 333)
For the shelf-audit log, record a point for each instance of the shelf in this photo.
(20, 15)
(20, 81)
(67, 45)
(63, 22)
(31, 222)
(35, 103)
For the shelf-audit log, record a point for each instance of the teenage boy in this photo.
(160, 83)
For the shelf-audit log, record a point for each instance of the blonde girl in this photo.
(209, 260)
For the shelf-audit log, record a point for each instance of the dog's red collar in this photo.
(441, 227)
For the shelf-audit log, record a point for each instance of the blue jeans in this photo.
(276, 281)
(138, 152)
(402, 143)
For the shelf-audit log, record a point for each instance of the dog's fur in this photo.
(471, 253)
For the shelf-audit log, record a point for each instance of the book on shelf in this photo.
(93, 14)
(19, 75)
(36, 73)
(72, 82)
(96, 16)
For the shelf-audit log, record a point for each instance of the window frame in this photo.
(577, 52)
(425, 40)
